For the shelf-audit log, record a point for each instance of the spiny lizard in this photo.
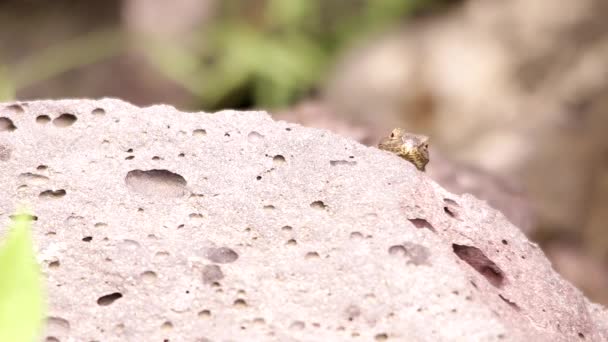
(411, 147)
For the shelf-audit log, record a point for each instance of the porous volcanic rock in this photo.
(154, 224)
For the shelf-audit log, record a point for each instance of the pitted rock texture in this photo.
(153, 224)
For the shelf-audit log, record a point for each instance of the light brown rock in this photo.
(157, 224)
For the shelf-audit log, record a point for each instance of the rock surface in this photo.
(158, 224)
(500, 193)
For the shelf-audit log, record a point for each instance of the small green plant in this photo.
(22, 303)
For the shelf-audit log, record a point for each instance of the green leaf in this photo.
(22, 305)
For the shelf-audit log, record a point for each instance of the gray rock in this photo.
(155, 224)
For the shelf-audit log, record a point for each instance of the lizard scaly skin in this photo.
(411, 147)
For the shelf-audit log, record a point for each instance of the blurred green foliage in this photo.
(275, 51)
(22, 304)
(253, 53)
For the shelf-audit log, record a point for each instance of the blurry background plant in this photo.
(275, 52)
(263, 53)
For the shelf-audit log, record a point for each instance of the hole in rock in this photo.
(222, 255)
(381, 337)
(481, 263)
(414, 253)
(199, 132)
(297, 325)
(450, 207)
(278, 159)
(312, 255)
(422, 223)
(65, 120)
(108, 299)
(15, 109)
(129, 244)
(450, 212)
(342, 162)
(398, 250)
(157, 183)
(450, 201)
(356, 235)
(57, 325)
(148, 276)
(318, 205)
(371, 216)
(161, 255)
(7, 125)
(240, 303)
(511, 304)
(87, 238)
(204, 314)
(212, 273)
(52, 193)
(98, 111)
(255, 136)
(33, 179)
(43, 119)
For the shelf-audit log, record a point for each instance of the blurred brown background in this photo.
(513, 93)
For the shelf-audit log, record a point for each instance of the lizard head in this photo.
(411, 147)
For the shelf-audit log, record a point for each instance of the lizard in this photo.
(411, 147)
